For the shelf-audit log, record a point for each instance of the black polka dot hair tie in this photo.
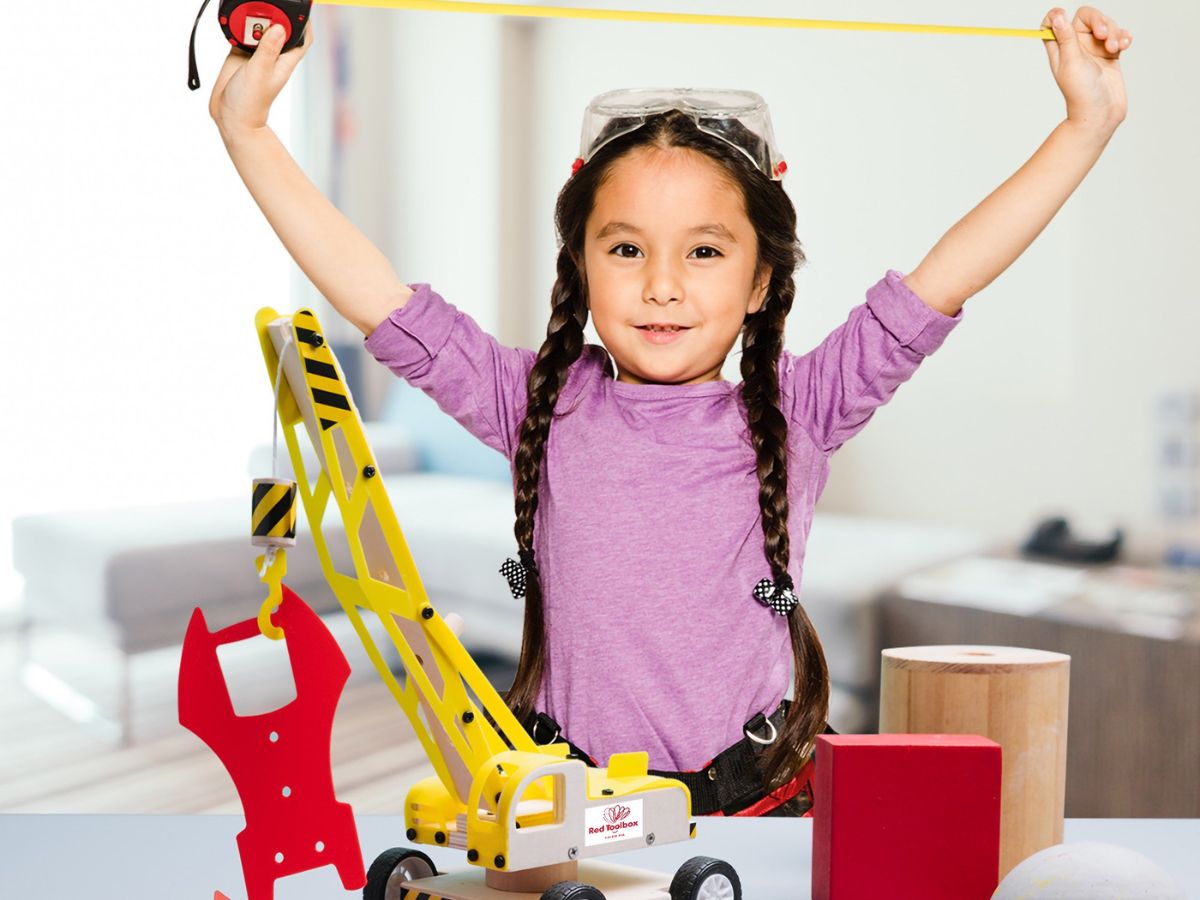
(514, 572)
(777, 594)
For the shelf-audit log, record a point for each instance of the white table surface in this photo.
(106, 857)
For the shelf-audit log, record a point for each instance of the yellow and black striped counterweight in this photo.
(273, 513)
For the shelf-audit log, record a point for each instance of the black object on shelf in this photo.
(1052, 538)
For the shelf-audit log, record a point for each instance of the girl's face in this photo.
(668, 243)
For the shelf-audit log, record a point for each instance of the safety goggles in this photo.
(740, 118)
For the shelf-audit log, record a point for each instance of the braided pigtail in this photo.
(563, 345)
(762, 341)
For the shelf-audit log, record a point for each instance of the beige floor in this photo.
(50, 763)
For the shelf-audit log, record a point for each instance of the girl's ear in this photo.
(761, 286)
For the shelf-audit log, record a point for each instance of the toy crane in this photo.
(527, 815)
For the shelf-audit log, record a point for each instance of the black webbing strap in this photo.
(733, 779)
(730, 782)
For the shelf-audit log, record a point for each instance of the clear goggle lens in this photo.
(740, 118)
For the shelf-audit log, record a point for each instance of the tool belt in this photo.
(728, 784)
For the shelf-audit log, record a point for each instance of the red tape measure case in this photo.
(246, 21)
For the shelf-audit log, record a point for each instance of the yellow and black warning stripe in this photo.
(330, 397)
(414, 894)
(321, 369)
(331, 407)
(273, 511)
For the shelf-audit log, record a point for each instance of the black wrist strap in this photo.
(193, 72)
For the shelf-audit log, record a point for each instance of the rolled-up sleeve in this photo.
(833, 390)
(471, 376)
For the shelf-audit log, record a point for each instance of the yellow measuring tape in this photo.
(629, 15)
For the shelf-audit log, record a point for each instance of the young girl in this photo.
(661, 511)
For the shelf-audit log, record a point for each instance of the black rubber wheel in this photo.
(705, 878)
(571, 890)
(391, 867)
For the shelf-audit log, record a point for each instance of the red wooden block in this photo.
(906, 816)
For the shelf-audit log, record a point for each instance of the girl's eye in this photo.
(630, 251)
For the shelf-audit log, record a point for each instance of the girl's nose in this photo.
(664, 282)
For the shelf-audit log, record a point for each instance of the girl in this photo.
(662, 512)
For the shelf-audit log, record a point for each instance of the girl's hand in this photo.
(1084, 59)
(248, 84)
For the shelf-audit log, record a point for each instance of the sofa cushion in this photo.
(459, 531)
(137, 573)
(392, 444)
(444, 446)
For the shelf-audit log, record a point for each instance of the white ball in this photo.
(1087, 870)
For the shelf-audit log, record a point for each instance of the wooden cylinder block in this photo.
(1014, 696)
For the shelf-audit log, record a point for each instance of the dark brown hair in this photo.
(771, 213)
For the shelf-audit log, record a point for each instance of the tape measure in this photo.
(675, 18)
(246, 21)
(243, 20)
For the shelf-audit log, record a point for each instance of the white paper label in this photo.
(616, 822)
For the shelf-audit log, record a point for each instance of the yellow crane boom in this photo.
(514, 806)
(440, 673)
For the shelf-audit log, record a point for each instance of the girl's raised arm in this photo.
(348, 270)
(1084, 60)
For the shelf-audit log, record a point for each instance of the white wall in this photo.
(445, 126)
(131, 265)
(422, 174)
(1042, 399)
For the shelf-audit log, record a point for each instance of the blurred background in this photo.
(136, 406)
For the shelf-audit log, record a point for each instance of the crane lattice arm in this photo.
(511, 804)
(443, 681)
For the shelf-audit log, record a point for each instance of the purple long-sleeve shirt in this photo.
(648, 535)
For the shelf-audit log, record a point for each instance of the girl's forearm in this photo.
(990, 237)
(351, 273)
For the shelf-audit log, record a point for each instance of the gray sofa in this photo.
(135, 574)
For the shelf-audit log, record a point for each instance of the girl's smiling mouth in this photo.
(662, 332)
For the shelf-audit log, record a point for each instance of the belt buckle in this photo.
(547, 722)
(757, 722)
